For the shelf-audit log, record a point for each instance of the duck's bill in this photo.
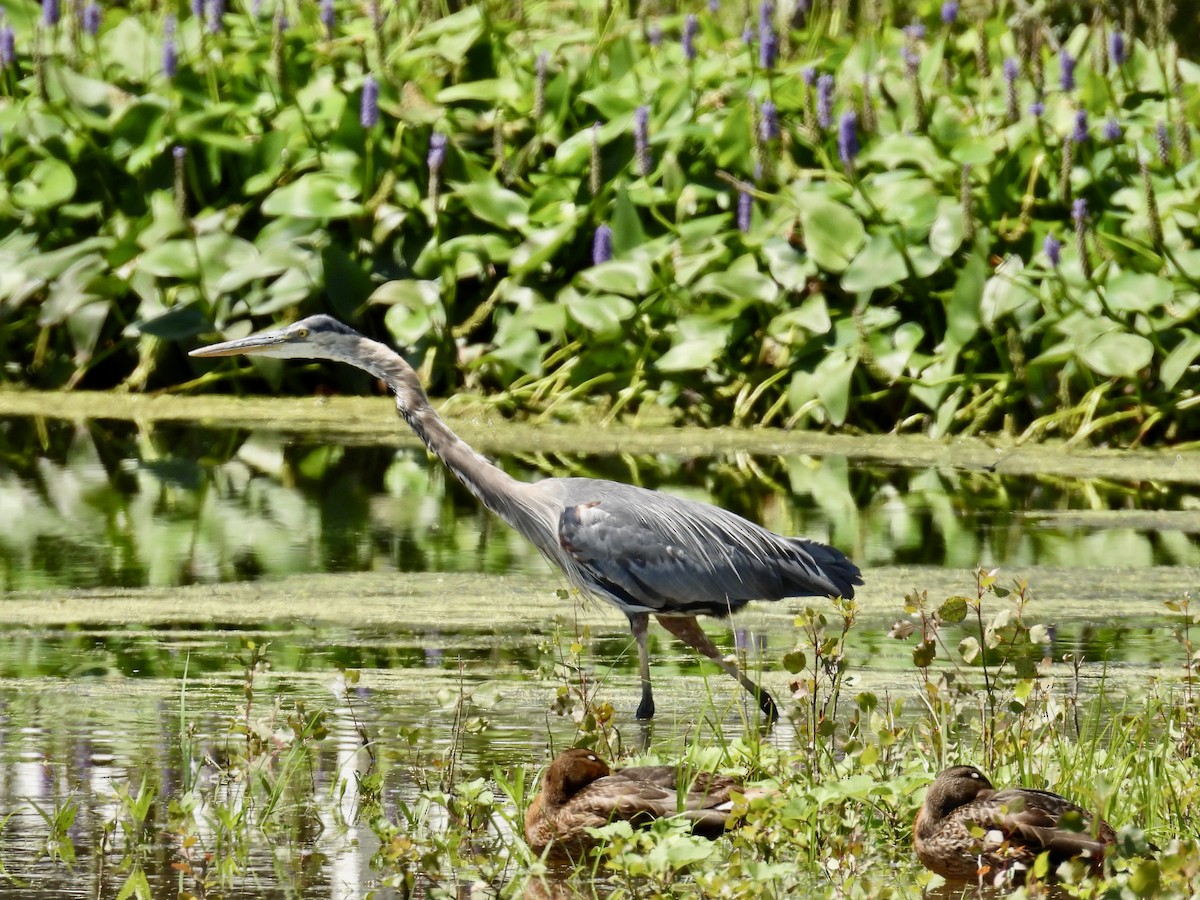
(256, 343)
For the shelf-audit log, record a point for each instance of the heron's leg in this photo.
(688, 630)
(639, 624)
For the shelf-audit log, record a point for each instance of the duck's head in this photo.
(571, 772)
(954, 787)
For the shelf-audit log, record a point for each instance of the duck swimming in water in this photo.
(579, 791)
(966, 830)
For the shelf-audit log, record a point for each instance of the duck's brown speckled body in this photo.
(579, 792)
(966, 830)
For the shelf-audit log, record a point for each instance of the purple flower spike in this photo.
(1079, 211)
(825, 101)
(1112, 130)
(602, 250)
(641, 140)
(654, 34)
(8, 46)
(368, 113)
(1037, 109)
(328, 17)
(1117, 51)
(768, 50)
(1052, 247)
(436, 157)
(848, 138)
(768, 127)
(714, 6)
(745, 206)
(950, 12)
(197, 7)
(1080, 134)
(91, 19)
(915, 31)
(1011, 69)
(179, 152)
(912, 59)
(50, 13)
(1066, 71)
(809, 74)
(216, 13)
(170, 52)
(691, 25)
(1162, 140)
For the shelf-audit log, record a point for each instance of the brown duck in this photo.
(966, 830)
(579, 792)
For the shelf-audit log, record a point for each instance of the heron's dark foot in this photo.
(645, 709)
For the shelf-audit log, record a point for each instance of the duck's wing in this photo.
(1041, 821)
(617, 797)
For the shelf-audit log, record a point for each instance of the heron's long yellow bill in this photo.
(256, 343)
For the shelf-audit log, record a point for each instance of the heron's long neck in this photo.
(495, 488)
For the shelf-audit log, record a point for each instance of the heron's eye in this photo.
(301, 332)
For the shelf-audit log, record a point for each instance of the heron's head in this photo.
(317, 337)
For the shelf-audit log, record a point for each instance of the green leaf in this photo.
(968, 649)
(1134, 292)
(48, 184)
(540, 246)
(834, 374)
(317, 195)
(177, 324)
(1005, 292)
(171, 259)
(1117, 354)
(741, 281)
(627, 277)
(924, 653)
(600, 313)
(833, 233)
(415, 309)
(491, 202)
(946, 233)
(795, 661)
(699, 342)
(963, 307)
(787, 265)
(1179, 359)
(880, 264)
(810, 318)
(954, 610)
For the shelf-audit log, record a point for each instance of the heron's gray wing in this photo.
(654, 553)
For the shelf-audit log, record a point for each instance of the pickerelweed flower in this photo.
(1066, 71)
(912, 59)
(170, 52)
(915, 31)
(1052, 247)
(825, 100)
(768, 125)
(1079, 212)
(745, 207)
(654, 34)
(328, 17)
(91, 18)
(691, 25)
(950, 12)
(848, 138)
(1080, 134)
(1011, 69)
(1112, 131)
(602, 245)
(8, 46)
(1037, 109)
(748, 36)
(215, 10)
(1162, 140)
(368, 113)
(714, 6)
(1117, 51)
(436, 157)
(197, 7)
(641, 140)
(50, 13)
(768, 50)
(809, 74)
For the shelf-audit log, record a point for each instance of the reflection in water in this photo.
(106, 504)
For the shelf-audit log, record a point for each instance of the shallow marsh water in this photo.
(143, 555)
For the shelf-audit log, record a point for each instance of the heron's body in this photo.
(579, 793)
(646, 552)
(966, 830)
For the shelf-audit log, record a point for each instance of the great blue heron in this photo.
(645, 552)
